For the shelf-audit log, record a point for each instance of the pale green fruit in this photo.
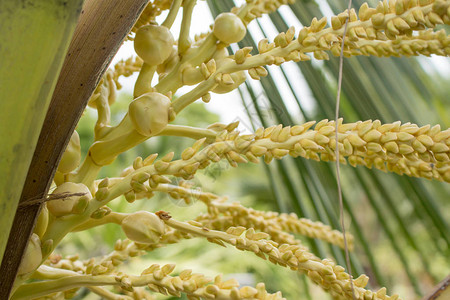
(149, 113)
(33, 256)
(228, 28)
(143, 227)
(72, 155)
(153, 44)
(64, 206)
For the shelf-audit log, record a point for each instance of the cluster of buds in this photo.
(382, 31)
(197, 286)
(151, 11)
(391, 29)
(403, 149)
(325, 273)
(275, 224)
(256, 8)
(126, 68)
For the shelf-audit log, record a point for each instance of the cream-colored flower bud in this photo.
(237, 77)
(33, 256)
(153, 44)
(72, 156)
(228, 28)
(64, 206)
(42, 221)
(143, 227)
(149, 113)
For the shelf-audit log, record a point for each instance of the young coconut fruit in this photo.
(64, 206)
(33, 256)
(229, 28)
(153, 44)
(149, 113)
(143, 227)
(71, 156)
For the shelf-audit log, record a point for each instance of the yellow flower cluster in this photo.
(126, 68)
(256, 8)
(382, 31)
(151, 11)
(386, 30)
(156, 278)
(325, 273)
(403, 149)
(275, 224)
(394, 28)
(222, 215)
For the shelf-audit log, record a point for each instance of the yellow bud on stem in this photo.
(143, 227)
(153, 44)
(33, 256)
(149, 113)
(229, 28)
(64, 206)
(72, 155)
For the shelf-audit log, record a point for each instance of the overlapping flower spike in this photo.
(277, 225)
(126, 68)
(197, 286)
(403, 149)
(157, 279)
(256, 8)
(234, 214)
(151, 11)
(368, 36)
(108, 264)
(325, 273)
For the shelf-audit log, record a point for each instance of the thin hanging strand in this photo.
(338, 177)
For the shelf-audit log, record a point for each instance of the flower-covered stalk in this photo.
(80, 199)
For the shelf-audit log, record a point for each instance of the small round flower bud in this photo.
(153, 44)
(143, 227)
(32, 257)
(72, 155)
(228, 28)
(149, 113)
(64, 206)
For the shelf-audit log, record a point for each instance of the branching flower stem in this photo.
(168, 22)
(187, 131)
(295, 257)
(183, 40)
